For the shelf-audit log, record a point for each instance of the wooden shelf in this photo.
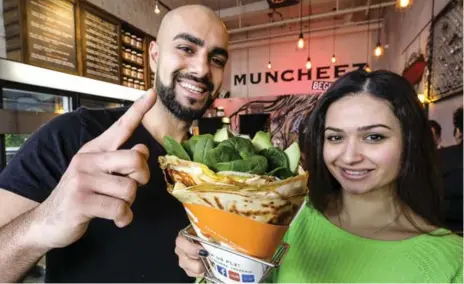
(132, 62)
(132, 47)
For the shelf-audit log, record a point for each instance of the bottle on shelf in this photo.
(127, 38)
(142, 85)
(140, 74)
(139, 58)
(134, 72)
(126, 70)
(127, 54)
(220, 111)
(125, 83)
(133, 41)
(136, 84)
(130, 83)
(134, 56)
(139, 43)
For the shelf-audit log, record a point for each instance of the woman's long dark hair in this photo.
(418, 185)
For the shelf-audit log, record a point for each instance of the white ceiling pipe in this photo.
(313, 30)
(311, 17)
(287, 37)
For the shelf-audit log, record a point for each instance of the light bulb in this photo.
(308, 64)
(334, 59)
(269, 66)
(301, 41)
(378, 51)
(421, 98)
(403, 3)
(157, 10)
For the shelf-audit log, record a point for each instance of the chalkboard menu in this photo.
(101, 48)
(51, 34)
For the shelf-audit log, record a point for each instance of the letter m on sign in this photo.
(239, 79)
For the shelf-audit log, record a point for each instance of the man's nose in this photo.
(199, 66)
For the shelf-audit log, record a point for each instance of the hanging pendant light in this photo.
(157, 10)
(269, 66)
(367, 68)
(308, 61)
(334, 59)
(378, 51)
(403, 4)
(300, 43)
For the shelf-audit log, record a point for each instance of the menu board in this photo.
(51, 34)
(101, 48)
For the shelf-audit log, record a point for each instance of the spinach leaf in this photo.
(254, 165)
(220, 154)
(186, 146)
(202, 146)
(282, 173)
(240, 145)
(172, 147)
(276, 158)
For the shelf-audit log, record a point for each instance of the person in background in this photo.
(451, 168)
(436, 132)
(457, 120)
(373, 211)
(70, 192)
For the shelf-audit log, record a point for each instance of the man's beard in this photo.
(167, 95)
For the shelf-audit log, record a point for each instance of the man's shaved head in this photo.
(188, 59)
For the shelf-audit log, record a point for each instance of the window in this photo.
(35, 101)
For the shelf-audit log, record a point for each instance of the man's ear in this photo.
(154, 56)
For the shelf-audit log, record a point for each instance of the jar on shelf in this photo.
(125, 83)
(139, 58)
(126, 70)
(130, 83)
(140, 74)
(134, 72)
(139, 43)
(134, 56)
(127, 54)
(136, 84)
(220, 111)
(126, 38)
(142, 86)
(133, 40)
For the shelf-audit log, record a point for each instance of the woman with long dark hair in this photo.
(374, 207)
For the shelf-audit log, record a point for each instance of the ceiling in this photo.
(255, 12)
(240, 15)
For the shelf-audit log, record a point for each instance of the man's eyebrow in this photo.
(220, 51)
(191, 38)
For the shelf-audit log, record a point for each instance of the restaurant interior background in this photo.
(58, 55)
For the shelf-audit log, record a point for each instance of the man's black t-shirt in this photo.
(140, 252)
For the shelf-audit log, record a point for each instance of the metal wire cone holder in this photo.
(275, 262)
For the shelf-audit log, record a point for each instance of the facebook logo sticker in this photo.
(248, 278)
(222, 270)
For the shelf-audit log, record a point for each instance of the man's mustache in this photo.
(205, 80)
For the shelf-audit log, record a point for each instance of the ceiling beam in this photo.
(311, 17)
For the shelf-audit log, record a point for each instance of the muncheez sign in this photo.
(318, 74)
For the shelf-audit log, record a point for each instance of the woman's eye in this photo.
(334, 138)
(375, 137)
